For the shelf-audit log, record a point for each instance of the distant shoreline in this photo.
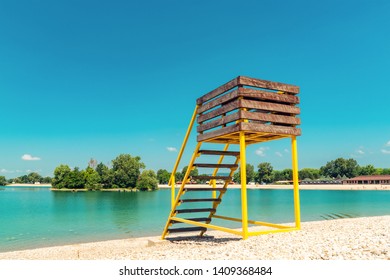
(301, 187)
(237, 186)
(29, 185)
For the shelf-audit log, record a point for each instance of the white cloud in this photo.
(286, 151)
(385, 151)
(360, 152)
(29, 157)
(261, 151)
(279, 154)
(171, 149)
(3, 170)
(388, 144)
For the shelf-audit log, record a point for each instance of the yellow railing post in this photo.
(297, 211)
(244, 206)
(213, 182)
(183, 145)
(173, 186)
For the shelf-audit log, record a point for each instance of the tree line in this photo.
(125, 172)
(337, 169)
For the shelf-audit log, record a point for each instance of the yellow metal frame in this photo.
(244, 232)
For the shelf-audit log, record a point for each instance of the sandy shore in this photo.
(352, 239)
(303, 187)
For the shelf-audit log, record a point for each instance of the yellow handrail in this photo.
(183, 145)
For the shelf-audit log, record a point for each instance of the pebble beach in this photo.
(342, 239)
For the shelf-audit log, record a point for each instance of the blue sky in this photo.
(94, 79)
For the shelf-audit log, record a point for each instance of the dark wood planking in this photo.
(271, 107)
(215, 165)
(219, 101)
(186, 229)
(194, 189)
(242, 80)
(206, 177)
(219, 132)
(200, 200)
(273, 129)
(214, 93)
(256, 116)
(219, 111)
(202, 219)
(195, 210)
(250, 127)
(219, 153)
(218, 122)
(274, 118)
(268, 95)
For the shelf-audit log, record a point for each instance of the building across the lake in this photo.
(368, 179)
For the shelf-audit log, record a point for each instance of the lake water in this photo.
(37, 217)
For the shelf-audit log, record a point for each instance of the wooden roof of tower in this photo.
(264, 110)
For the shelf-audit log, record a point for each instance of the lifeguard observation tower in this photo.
(242, 112)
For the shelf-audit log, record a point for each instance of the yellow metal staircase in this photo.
(242, 112)
(210, 197)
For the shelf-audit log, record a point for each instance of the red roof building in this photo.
(369, 179)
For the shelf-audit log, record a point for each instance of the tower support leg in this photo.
(244, 202)
(297, 211)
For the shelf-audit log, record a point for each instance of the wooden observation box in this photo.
(241, 112)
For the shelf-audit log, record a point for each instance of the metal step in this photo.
(194, 219)
(186, 229)
(200, 200)
(220, 153)
(195, 210)
(215, 165)
(207, 177)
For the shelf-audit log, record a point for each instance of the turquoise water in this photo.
(36, 217)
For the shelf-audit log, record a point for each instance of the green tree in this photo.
(3, 181)
(250, 174)
(340, 167)
(385, 171)
(147, 181)
(91, 178)
(34, 177)
(127, 170)
(264, 173)
(366, 170)
(106, 175)
(193, 172)
(61, 176)
(178, 177)
(46, 180)
(309, 173)
(163, 176)
(76, 179)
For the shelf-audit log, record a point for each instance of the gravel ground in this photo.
(349, 239)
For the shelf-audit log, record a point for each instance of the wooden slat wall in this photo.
(252, 105)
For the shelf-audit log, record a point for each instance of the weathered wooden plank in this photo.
(218, 132)
(274, 118)
(215, 165)
(274, 129)
(214, 93)
(271, 107)
(219, 111)
(267, 95)
(242, 80)
(218, 122)
(219, 101)
(220, 153)
(186, 229)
